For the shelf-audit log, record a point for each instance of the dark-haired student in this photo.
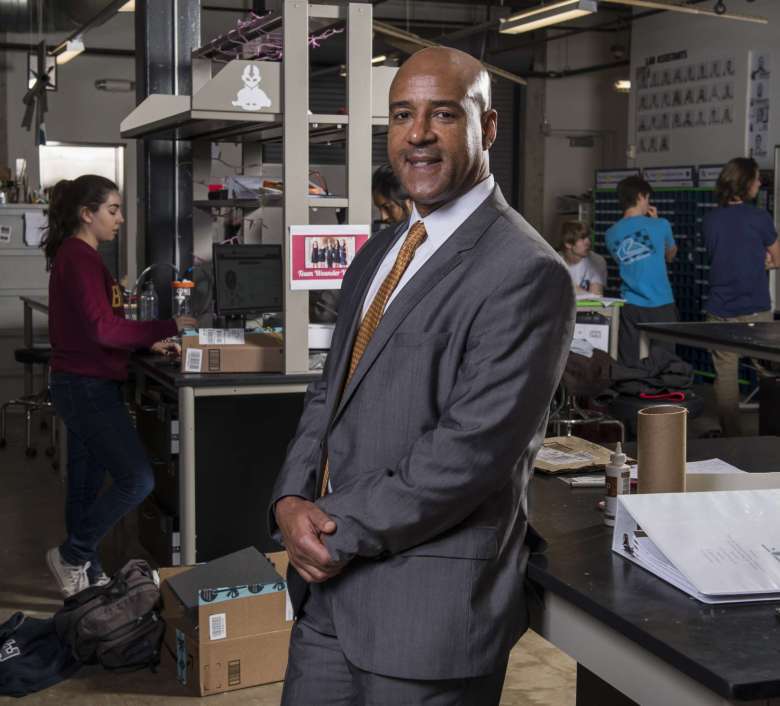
(642, 244)
(90, 341)
(742, 244)
(389, 196)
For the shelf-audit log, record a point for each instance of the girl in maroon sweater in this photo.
(91, 341)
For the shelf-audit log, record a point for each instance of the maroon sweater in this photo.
(87, 327)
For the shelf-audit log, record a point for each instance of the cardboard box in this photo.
(595, 334)
(260, 353)
(236, 636)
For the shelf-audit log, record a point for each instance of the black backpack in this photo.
(116, 625)
(31, 656)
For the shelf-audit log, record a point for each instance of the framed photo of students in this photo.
(321, 254)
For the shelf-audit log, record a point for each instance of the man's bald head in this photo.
(441, 126)
(465, 69)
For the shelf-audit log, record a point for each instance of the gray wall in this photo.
(704, 36)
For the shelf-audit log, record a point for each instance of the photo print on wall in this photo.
(704, 87)
(758, 113)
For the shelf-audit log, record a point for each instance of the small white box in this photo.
(595, 334)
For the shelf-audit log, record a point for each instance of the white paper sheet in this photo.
(221, 336)
(558, 457)
(710, 465)
(34, 222)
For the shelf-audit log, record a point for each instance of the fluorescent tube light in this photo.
(379, 59)
(622, 86)
(73, 48)
(129, 6)
(546, 15)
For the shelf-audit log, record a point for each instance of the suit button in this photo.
(390, 473)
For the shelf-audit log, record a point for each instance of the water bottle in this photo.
(149, 304)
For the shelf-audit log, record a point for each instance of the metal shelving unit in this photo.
(213, 113)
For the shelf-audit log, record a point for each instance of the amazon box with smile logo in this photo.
(228, 621)
(231, 351)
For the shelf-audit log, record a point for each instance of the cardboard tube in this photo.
(661, 434)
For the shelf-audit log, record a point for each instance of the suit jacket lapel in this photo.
(441, 263)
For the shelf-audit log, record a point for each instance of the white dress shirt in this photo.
(439, 226)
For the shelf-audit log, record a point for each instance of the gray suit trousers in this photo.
(318, 674)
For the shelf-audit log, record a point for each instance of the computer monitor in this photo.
(248, 279)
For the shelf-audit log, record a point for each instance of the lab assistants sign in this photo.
(320, 255)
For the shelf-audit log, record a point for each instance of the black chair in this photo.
(38, 402)
(626, 408)
(566, 413)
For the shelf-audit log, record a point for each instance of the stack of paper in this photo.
(718, 547)
(570, 453)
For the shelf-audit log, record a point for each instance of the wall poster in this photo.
(678, 92)
(758, 114)
(321, 254)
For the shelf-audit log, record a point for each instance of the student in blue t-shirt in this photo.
(742, 245)
(642, 245)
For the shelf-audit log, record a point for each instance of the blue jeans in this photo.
(101, 439)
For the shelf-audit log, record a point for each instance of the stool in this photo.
(566, 414)
(626, 408)
(37, 402)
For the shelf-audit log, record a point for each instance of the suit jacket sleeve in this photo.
(512, 362)
(299, 473)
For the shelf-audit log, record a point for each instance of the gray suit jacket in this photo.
(431, 448)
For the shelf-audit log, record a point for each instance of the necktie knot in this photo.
(415, 237)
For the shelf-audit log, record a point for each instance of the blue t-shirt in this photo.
(737, 238)
(639, 244)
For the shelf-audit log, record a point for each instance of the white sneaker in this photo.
(71, 578)
(100, 580)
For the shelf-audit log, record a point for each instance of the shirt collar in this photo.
(444, 221)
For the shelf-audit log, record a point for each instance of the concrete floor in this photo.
(31, 521)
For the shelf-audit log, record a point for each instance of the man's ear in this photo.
(489, 128)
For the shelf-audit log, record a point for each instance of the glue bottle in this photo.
(618, 477)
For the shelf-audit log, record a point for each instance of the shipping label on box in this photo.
(595, 334)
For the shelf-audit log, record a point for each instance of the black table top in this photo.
(733, 650)
(761, 336)
(168, 374)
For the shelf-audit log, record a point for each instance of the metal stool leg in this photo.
(2, 425)
(51, 451)
(29, 451)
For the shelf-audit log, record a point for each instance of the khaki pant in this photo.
(727, 372)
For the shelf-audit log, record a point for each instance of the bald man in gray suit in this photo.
(402, 502)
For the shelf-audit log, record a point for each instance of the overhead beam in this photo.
(107, 12)
(688, 9)
(417, 40)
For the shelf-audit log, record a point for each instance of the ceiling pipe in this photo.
(567, 73)
(88, 51)
(23, 17)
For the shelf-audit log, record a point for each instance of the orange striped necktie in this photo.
(414, 238)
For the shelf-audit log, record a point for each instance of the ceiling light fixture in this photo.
(674, 6)
(381, 59)
(622, 86)
(547, 15)
(129, 6)
(73, 48)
